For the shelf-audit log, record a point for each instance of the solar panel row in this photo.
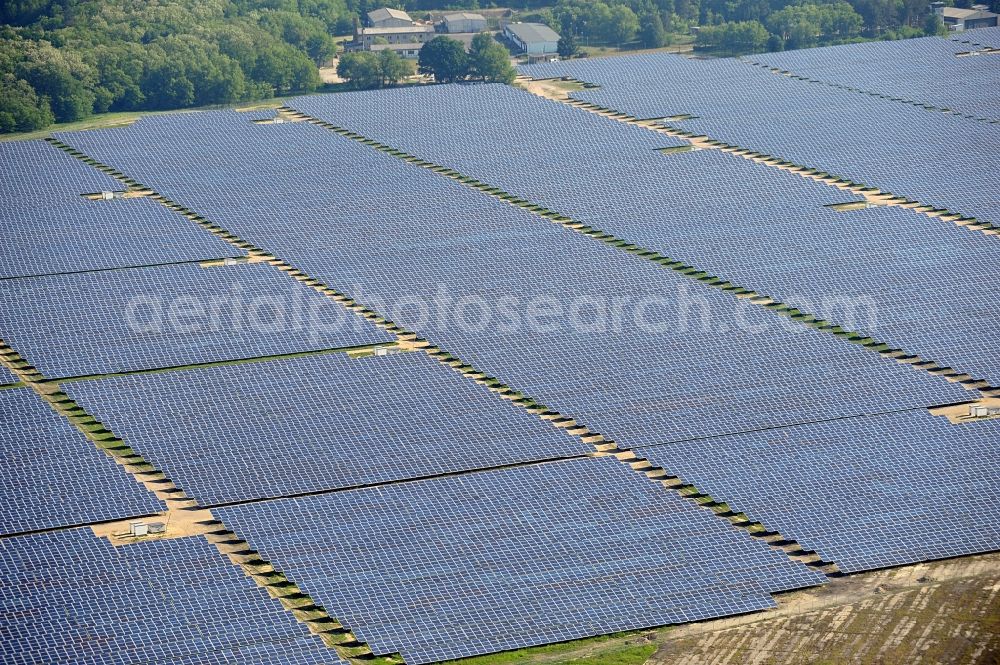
(988, 37)
(937, 159)
(864, 492)
(902, 278)
(655, 357)
(291, 426)
(924, 71)
(471, 564)
(52, 476)
(48, 227)
(167, 316)
(70, 597)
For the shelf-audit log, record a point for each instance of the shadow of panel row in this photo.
(53, 476)
(47, 226)
(911, 281)
(485, 562)
(865, 493)
(168, 316)
(70, 597)
(631, 349)
(284, 427)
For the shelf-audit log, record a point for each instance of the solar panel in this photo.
(484, 562)
(760, 227)
(636, 351)
(48, 227)
(68, 596)
(291, 426)
(917, 71)
(865, 493)
(6, 377)
(52, 476)
(95, 323)
(936, 158)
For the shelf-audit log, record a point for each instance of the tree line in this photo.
(63, 60)
(738, 26)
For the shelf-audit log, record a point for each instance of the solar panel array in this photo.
(935, 158)
(52, 476)
(935, 295)
(292, 426)
(115, 321)
(924, 71)
(70, 597)
(46, 226)
(461, 565)
(713, 359)
(864, 492)
(371, 482)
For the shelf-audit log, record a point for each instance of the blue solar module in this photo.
(70, 597)
(685, 360)
(6, 377)
(758, 226)
(46, 226)
(935, 158)
(485, 562)
(865, 493)
(95, 323)
(922, 71)
(52, 476)
(284, 427)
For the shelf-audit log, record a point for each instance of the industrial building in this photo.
(464, 22)
(533, 39)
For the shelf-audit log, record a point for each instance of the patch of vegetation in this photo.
(616, 649)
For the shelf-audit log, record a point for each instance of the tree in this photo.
(734, 37)
(361, 68)
(366, 70)
(61, 76)
(933, 25)
(21, 110)
(444, 59)
(624, 25)
(652, 34)
(567, 47)
(392, 68)
(489, 60)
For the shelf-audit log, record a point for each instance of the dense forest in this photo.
(63, 60)
(740, 26)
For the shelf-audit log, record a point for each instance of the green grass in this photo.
(630, 655)
(603, 650)
(103, 120)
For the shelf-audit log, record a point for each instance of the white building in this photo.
(389, 18)
(464, 22)
(366, 38)
(534, 39)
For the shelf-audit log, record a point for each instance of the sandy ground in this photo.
(941, 612)
(328, 74)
